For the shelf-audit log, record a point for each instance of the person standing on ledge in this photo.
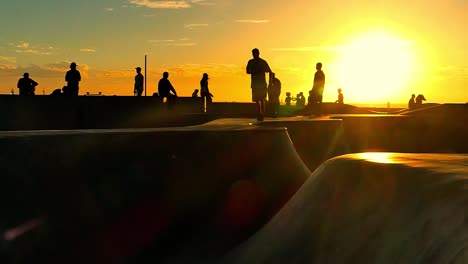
(138, 88)
(274, 92)
(412, 103)
(73, 79)
(257, 67)
(26, 85)
(204, 90)
(317, 88)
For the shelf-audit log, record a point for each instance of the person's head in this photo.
(318, 66)
(288, 94)
(205, 75)
(196, 90)
(272, 75)
(138, 69)
(73, 65)
(26, 75)
(165, 75)
(255, 53)
(413, 96)
(339, 90)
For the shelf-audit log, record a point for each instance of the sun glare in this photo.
(375, 68)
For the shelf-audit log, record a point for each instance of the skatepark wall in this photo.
(88, 112)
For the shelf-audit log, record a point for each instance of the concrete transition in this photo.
(137, 195)
(371, 208)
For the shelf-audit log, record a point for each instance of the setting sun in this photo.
(375, 67)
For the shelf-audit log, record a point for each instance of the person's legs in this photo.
(259, 110)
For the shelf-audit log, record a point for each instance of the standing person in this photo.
(73, 78)
(288, 99)
(257, 67)
(138, 88)
(26, 85)
(204, 91)
(319, 81)
(274, 92)
(165, 88)
(411, 102)
(318, 87)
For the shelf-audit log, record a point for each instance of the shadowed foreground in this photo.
(371, 208)
(137, 195)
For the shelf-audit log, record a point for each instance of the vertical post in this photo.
(145, 74)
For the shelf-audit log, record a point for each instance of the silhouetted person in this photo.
(317, 88)
(138, 88)
(340, 97)
(274, 92)
(204, 90)
(300, 100)
(257, 67)
(165, 88)
(26, 85)
(412, 102)
(288, 99)
(73, 78)
(419, 100)
(195, 93)
(310, 98)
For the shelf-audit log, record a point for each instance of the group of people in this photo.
(27, 86)
(166, 89)
(415, 101)
(258, 67)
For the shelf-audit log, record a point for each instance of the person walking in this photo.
(204, 90)
(257, 67)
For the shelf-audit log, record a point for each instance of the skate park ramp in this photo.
(140, 195)
(370, 208)
(315, 139)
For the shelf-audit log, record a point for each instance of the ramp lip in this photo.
(190, 129)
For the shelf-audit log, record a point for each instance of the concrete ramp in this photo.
(315, 139)
(140, 195)
(371, 208)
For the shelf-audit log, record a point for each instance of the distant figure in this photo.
(257, 67)
(340, 97)
(310, 98)
(274, 92)
(317, 88)
(138, 88)
(419, 100)
(26, 85)
(300, 100)
(412, 103)
(165, 88)
(195, 93)
(204, 91)
(73, 78)
(288, 99)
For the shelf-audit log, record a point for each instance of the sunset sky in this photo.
(376, 51)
